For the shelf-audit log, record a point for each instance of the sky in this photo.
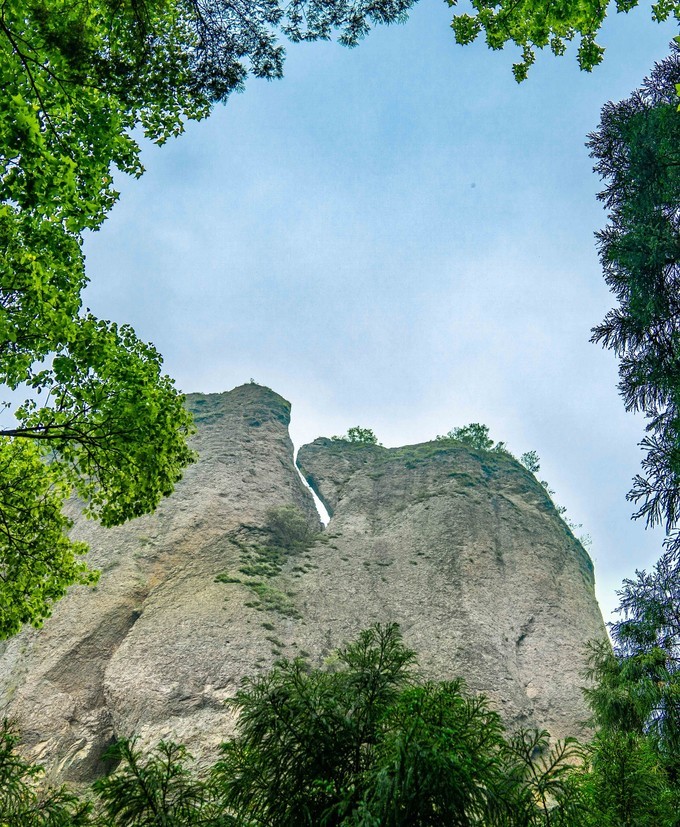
(399, 236)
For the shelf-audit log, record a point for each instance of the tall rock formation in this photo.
(463, 548)
(158, 645)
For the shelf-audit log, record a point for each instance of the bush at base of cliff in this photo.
(363, 742)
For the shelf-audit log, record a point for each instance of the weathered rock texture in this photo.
(463, 548)
(467, 552)
(158, 645)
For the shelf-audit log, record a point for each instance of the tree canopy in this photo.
(364, 742)
(364, 436)
(637, 687)
(534, 24)
(635, 699)
(475, 435)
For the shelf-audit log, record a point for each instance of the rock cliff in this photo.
(463, 548)
(467, 552)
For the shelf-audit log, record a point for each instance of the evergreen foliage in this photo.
(625, 784)
(437, 761)
(542, 784)
(634, 776)
(475, 435)
(158, 790)
(363, 742)
(24, 802)
(359, 436)
(637, 685)
(531, 461)
(636, 148)
(306, 737)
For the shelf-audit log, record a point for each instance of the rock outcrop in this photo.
(159, 644)
(463, 548)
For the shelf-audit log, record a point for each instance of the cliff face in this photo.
(156, 647)
(466, 551)
(462, 548)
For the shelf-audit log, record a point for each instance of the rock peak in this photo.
(462, 548)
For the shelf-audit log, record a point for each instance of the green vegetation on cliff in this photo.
(264, 551)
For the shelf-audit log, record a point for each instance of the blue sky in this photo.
(399, 236)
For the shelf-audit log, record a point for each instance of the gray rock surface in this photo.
(158, 645)
(463, 548)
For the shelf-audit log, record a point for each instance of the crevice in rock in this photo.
(92, 654)
(322, 508)
(526, 629)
